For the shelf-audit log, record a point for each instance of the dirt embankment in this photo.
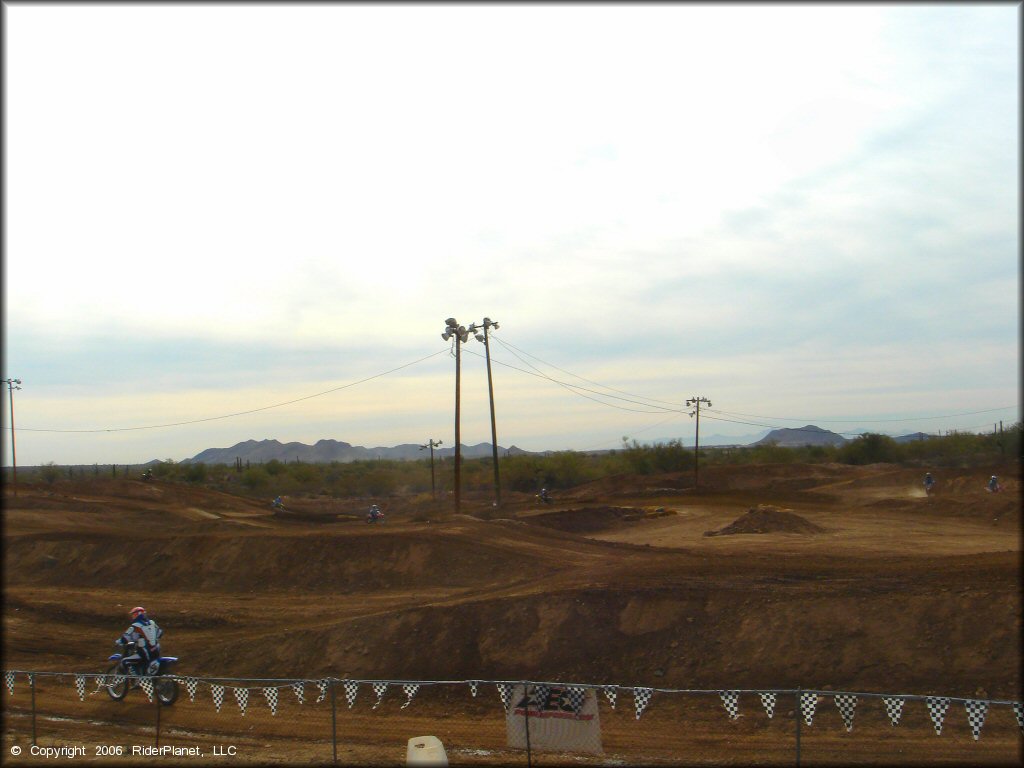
(535, 595)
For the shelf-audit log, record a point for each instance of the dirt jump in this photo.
(826, 577)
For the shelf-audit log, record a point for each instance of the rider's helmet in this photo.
(138, 612)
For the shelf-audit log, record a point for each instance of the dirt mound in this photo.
(767, 519)
(594, 519)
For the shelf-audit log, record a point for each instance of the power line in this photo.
(574, 387)
(243, 413)
(508, 344)
(860, 421)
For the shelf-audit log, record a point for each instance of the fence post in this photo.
(32, 685)
(156, 698)
(334, 725)
(796, 711)
(526, 697)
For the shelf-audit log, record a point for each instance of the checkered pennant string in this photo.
(218, 695)
(410, 690)
(505, 691)
(9, 679)
(271, 694)
(976, 715)
(190, 686)
(380, 689)
(808, 701)
(731, 700)
(894, 707)
(322, 686)
(576, 697)
(1018, 710)
(611, 693)
(300, 691)
(351, 689)
(847, 703)
(937, 707)
(472, 687)
(80, 685)
(768, 702)
(242, 697)
(147, 686)
(540, 693)
(642, 697)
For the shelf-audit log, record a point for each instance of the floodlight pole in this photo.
(432, 445)
(12, 384)
(696, 450)
(487, 325)
(459, 332)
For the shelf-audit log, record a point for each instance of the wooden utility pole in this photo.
(432, 445)
(696, 445)
(460, 334)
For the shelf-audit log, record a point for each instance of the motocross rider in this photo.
(144, 636)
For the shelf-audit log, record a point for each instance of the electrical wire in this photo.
(243, 413)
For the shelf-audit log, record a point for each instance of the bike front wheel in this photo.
(166, 690)
(116, 684)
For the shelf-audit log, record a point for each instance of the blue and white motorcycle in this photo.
(122, 677)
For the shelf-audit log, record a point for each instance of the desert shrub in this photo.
(275, 468)
(870, 448)
(196, 473)
(255, 478)
(50, 472)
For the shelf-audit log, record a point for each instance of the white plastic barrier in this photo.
(425, 750)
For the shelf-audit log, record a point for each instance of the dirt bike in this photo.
(375, 517)
(126, 676)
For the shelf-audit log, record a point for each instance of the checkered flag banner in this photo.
(322, 686)
(472, 687)
(937, 707)
(642, 697)
(409, 689)
(80, 685)
(505, 691)
(351, 689)
(540, 693)
(1018, 710)
(847, 703)
(147, 686)
(380, 689)
(768, 702)
(9, 679)
(894, 707)
(190, 685)
(242, 697)
(731, 700)
(576, 697)
(611, 693)
(808, 701)
(300, 691)
(218, 695)
(271, 694)
(976, 715)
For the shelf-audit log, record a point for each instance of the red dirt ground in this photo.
(883, 590)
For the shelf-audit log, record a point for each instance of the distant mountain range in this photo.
(326, 451)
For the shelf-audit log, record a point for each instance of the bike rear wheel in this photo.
(116, 684)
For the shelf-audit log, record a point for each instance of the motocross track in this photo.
(826, 577)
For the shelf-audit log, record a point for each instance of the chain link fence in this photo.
(70, 715)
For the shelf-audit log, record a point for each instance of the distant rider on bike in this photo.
(144, 636)
(929, 483)
(993, 484)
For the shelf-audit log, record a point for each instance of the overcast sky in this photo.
(806, 214)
